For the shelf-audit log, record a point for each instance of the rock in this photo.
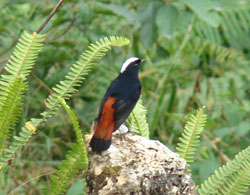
(136, 165)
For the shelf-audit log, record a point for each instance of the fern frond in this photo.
(67, 171)
(22, 60)
(80, 69)
(232, 178)
(11, 108)
(118, 41)
(222, 55)
(239, 183)
(79, 137)
(19, 141)
(25, 54)
(235, 24)
(189, 140)
(207, 32)
(76, 159)
(137, 120)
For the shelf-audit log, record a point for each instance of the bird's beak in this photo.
(142, 60)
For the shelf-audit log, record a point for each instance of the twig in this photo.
(50, 16)
(62, 33)
(39, 30)
(41, 83)
(213, 145)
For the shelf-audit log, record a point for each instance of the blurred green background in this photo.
(197, 53)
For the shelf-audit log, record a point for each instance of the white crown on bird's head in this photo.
(128, 62)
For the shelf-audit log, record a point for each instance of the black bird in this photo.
(117, 103)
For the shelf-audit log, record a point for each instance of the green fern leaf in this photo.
(222, 54)
(18, 142)
(235, 24)
(119, 41)
(190, 137)
(137, 120)
(232, 178)
(22, 60)
(67, 171)
(76, 159)
(25, 54)
(79, 137)
(11, 108)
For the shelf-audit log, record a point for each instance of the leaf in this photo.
(234, 113)
(78, 188)
(207, 167)
(205, 10)
(166, 18)
(148, 32)
(120, 11)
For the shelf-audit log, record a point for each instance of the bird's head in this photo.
(131, 63)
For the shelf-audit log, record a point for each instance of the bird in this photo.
(117, 103)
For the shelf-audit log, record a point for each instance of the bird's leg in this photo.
(122, 131)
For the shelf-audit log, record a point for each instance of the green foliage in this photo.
(22, 60)
(18, 142)
(232, 178)
(12, 89)
(67, 171)
(76, 159)
(205, 10)
(74, 79)
(78, 188)
(79, 137)
(11, 109)
(137, 120)
(202, 58)
(25, 54)
(189, 139)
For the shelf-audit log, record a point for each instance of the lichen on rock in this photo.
(136, 165)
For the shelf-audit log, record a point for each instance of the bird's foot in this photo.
(112, 149)
(123, 131)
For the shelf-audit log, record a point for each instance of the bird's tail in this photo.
(98, 145)
(101, 139)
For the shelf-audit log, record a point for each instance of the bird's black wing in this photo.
(122, 110)
(111, 92)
